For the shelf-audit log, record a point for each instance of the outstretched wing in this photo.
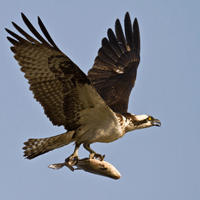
(63, 90)
(115, 68)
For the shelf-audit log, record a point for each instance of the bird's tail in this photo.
(37, 147)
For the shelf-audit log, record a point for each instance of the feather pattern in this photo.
(54, 79)
(115, 67)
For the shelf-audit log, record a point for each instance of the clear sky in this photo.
(156, 163)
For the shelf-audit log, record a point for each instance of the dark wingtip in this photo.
(39, 20)
(25, 19)
(127, 18)
(23, 15)
(135, 23)
(109, 31)
(7, 30)
(136, 32)
(13, 23)
(117, 21)
(127, 14)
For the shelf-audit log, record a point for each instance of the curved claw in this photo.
(97, 155)
(72, 160)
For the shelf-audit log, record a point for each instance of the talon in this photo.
(91, 156)
(96, 155)
(72, 160)
(93, 153)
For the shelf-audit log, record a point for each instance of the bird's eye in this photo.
(149, 118)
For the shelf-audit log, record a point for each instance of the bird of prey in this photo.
(91, 108)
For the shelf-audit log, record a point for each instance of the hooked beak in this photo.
(156, 122)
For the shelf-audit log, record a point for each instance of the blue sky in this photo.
(155, 163)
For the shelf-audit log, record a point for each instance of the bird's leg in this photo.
(74, 157)
(93, 153)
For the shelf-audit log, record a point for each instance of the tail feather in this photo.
(37, 147)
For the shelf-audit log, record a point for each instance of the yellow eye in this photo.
(149, 118)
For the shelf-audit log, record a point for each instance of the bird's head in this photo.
(144, 121)
(141, 121)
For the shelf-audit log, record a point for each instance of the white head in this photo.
(145, 121)
(139, 121)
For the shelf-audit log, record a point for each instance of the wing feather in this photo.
(27, 36)
(46, 33)
(120, 35)
(34, 31)
(115, 44)
(115, 67)
(108, 47)
(63, 90)
(129, 31)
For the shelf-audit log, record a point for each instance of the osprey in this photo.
(91, 108)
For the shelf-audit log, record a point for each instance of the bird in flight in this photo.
(91, 108)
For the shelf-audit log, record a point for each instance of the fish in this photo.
(90, 165)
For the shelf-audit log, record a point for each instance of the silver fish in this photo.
(94, 166)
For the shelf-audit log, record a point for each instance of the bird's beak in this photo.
(156, 122)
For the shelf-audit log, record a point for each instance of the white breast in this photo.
(103, 127)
